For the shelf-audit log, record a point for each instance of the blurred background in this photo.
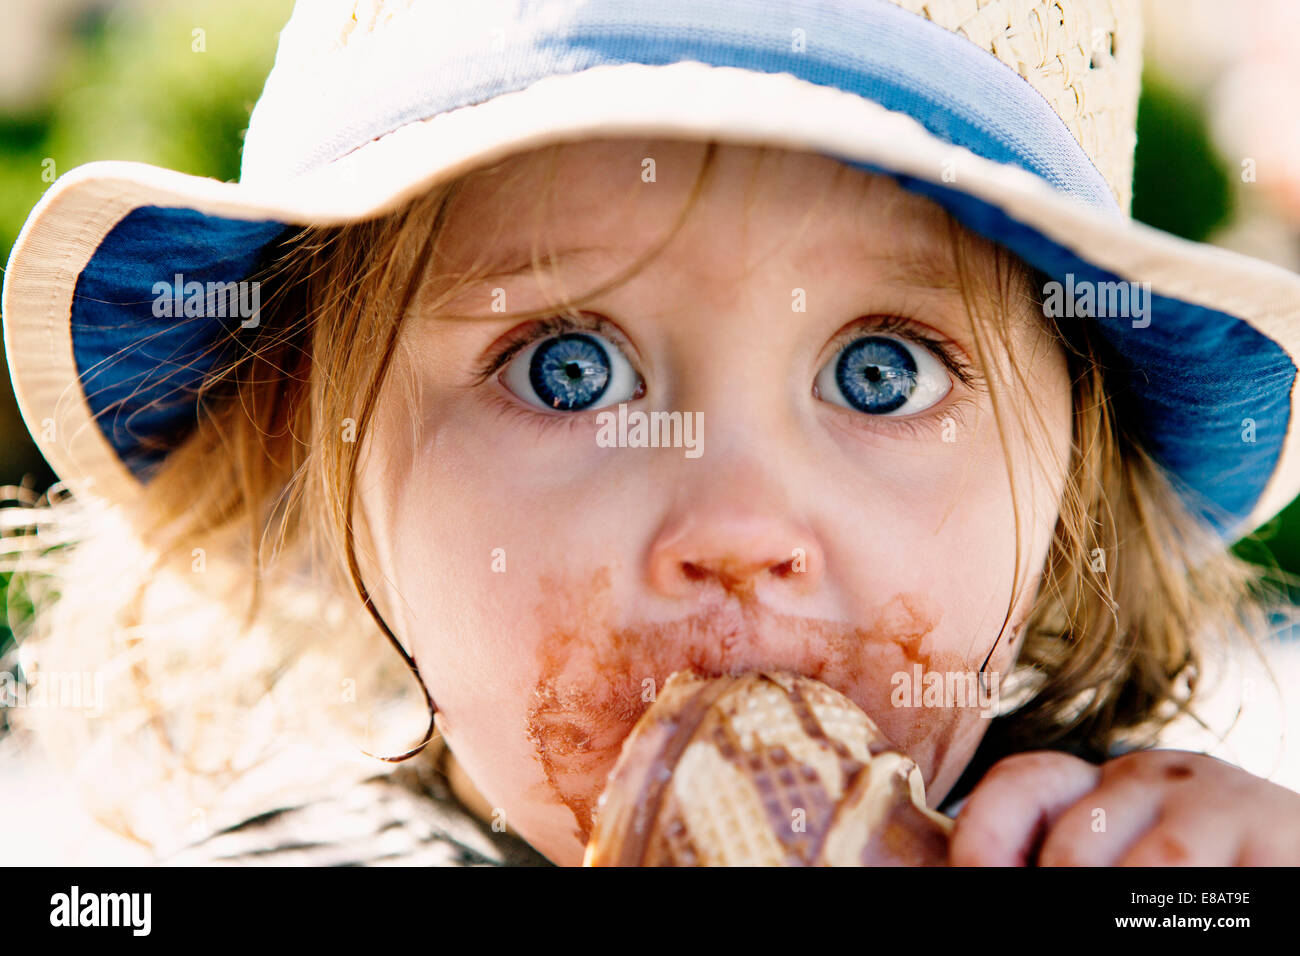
(168, 82)
(172, 82)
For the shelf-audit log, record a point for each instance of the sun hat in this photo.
(1017, 116)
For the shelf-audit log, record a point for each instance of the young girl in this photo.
(689, 346)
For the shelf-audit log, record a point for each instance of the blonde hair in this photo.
(228, 614)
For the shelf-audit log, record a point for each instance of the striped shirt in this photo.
(409, 816)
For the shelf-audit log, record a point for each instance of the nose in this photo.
(741, 539)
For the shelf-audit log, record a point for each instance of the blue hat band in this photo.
(872, 48)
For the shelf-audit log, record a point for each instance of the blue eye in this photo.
(571, 372)
(883, 375)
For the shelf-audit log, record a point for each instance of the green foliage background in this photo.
(129, 86)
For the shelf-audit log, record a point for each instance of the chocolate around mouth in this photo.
(595, 681)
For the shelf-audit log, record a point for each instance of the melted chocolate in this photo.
(592, 672)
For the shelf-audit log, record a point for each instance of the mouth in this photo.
(596, 680)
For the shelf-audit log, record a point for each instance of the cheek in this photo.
(472, 562)
(953, 540)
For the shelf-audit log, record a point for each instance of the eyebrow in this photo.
(509, 263)
(927, 268)
(925, 260)
(926, 264)
(515, 262)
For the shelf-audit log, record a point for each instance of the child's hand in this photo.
(1150, 808)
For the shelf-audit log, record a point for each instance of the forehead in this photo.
(598, 203)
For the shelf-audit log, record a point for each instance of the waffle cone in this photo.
(763, 769)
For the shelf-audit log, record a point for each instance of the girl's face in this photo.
(836, 504)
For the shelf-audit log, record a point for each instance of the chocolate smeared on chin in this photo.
(762, 769)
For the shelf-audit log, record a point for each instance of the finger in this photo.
(1098, 829)
(1199, 837)
(1015, 804)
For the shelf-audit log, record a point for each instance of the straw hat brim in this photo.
(1219, 348)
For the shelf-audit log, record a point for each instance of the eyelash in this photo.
(950, 356)
(928, 422)
(515, 411)
(531, 332)
(924, 421)
(924, 424)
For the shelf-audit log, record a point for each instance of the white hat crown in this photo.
(1083, 56)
